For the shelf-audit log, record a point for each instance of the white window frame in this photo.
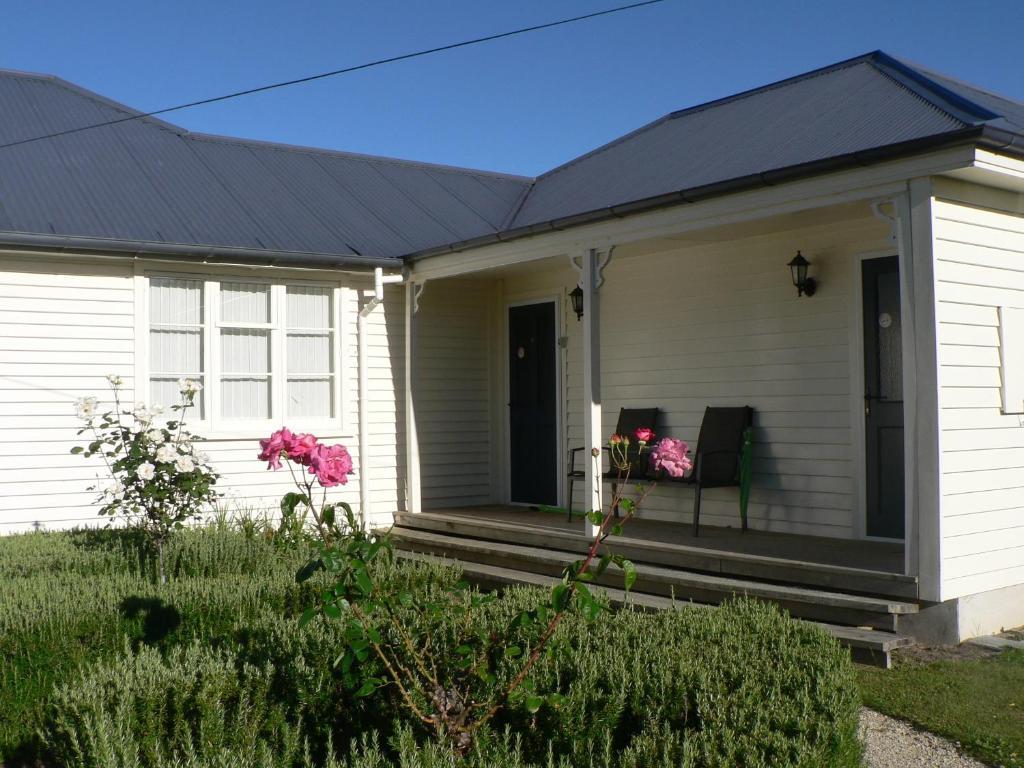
(214, 425)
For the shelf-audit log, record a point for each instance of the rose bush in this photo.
(457, 687)
(159, 480)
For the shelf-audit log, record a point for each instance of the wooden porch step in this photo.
(810, 603)
(719, 562)
(867, 646)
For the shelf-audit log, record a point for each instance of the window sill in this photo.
(251, 432)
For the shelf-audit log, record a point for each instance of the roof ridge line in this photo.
(88, 93)
(865, 57)
(954, 104)
(366, 157)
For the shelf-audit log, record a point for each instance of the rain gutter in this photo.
(206, 254)
(985, 136)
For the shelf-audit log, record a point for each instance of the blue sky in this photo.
(521, 105)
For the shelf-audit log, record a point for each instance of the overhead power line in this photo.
(336, 72)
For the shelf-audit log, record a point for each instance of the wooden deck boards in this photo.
(881, 556)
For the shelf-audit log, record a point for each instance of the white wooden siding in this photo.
(62, 329)
(453, 386)
(65, 325)
(721, 324)
(979, 267)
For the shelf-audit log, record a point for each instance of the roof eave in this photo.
(984, 136)
(206, 254)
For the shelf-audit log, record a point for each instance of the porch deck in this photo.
(879, 556)
(855, 589)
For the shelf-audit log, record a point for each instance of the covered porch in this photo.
(703, 316)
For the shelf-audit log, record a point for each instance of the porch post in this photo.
(592, 439)
(412, 445)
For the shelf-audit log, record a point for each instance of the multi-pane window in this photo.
(176, 339)
(264, 352)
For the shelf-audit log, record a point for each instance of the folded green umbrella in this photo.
(746, 460)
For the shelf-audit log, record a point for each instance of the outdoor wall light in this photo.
(576, 297)
(805, 286)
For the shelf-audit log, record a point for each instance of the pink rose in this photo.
(644, 434)
(669, 456)
(300, 448)
(331, 464)
(273, 446)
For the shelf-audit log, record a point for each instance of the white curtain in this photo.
(245, 351)
(310, 352)
(176, 339)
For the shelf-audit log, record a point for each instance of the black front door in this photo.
(533, 412)
(883, 397)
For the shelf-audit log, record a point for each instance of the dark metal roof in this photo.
(849, 108)
(149, 186)
(146, 186)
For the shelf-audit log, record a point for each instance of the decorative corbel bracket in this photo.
(888, 218)
(604, 257)
(417, 291)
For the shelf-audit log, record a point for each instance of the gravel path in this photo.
(890, 743)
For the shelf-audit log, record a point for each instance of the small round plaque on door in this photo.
(885, 320)
(521, 353)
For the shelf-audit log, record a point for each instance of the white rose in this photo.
(184, 464)
(115, 380)
(145, 471)
(202, 457)
(155, 436)
(85, 407)
(166, 453)
(189, 386)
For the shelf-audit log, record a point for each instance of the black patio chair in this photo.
(718, 459)
(630, 420)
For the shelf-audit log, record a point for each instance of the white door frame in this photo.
(858, 433)
(506, 439)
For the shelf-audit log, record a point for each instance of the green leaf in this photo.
(602, 564)
(533, 703)
(369, 686)
(332, 611)
(559, 597)
(363, 581)
(327, 513)
(77, 449)
(464, 650)
(617, 529)
(595, 516)
(629, 573)
(307, 616)
(513, 652)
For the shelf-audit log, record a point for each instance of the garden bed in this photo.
(102, 666)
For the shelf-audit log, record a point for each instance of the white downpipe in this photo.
(379, 281)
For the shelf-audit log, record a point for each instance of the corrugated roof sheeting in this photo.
(847, 110)
(142, 181)
(151, 182)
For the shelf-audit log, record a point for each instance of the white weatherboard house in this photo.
(422, 315)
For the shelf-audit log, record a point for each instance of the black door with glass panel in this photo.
(883, 397)
(533, 411)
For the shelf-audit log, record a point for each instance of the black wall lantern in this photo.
(805, 286)
(576, 297)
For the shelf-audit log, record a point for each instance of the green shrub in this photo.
(68, 599)
(212, 671)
